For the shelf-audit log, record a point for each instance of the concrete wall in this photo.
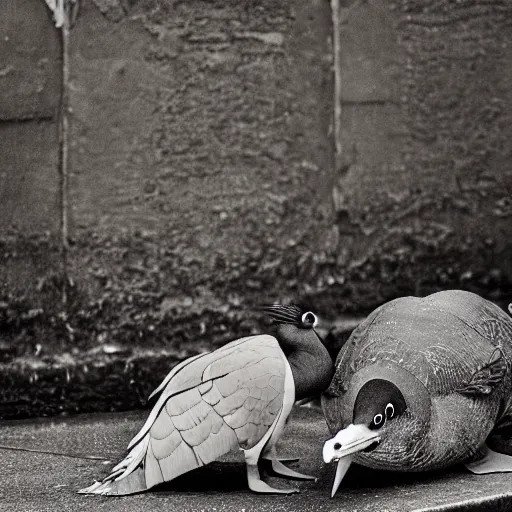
(201, 155)
(30, 77)
(202, 175)
(424, 189)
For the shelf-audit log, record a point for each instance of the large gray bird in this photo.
(238, 396)
(421, 384)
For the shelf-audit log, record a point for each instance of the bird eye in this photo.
(309, 319)
(390, 411)
(377, 422)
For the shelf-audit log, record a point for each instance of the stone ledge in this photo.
(48, 460)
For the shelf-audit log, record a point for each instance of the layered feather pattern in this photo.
(208, 405)
(450, 354)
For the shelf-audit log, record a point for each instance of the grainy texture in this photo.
(423, 195)
(105, 378)
(449, 354)
(65, 384)
(202, 177)
(201, 137)
(199, 160)
(30, 71)
(36, 482)
(30, 83)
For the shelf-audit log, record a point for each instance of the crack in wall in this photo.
(64, 154)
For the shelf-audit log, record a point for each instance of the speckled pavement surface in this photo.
(41, 480)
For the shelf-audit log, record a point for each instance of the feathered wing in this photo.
(484, 353)
(494, 372)
(212, 404)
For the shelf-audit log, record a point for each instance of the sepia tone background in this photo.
(222, 154)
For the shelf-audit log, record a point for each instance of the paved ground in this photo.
(42, 480)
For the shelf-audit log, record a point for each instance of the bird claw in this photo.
(263, 488)
(277, 468)
(256, 484)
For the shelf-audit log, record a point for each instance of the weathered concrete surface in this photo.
(30, 75)
(423, 193)
(200, 162)
(30, 78)
(201, 154)
(44, 482)
(30, 69)
(109, 377)
(199, 157)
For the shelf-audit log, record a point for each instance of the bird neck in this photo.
(310, 362)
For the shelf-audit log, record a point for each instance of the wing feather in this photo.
(251, 403)
(231, 403)
(213, 396)
(166, 446)
(256, 393)
(189, 374)
(218, 443)
(205, 387)
(137, 481)
(238, 418)
(180, 461)
(252, 353)
(269, 393)
(218, 406)
(249, 435)
(230, 383)
(183, 402)
(195, 416)
(163, 426)
(173, 372)
(275, 405)
(215, 403)
(152, 470)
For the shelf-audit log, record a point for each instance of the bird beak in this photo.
(342, 447)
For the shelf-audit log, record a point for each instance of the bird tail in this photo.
(127, 477)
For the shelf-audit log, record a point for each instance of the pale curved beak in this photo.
(344, 445)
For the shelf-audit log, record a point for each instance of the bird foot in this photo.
(257, 485)
(261, 487)
(277, 468)
(491, 462)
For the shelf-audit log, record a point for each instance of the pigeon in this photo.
(236, 397)
(423, 384)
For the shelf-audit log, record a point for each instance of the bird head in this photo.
(384, 411)
(293, 315)
(289, 320)
(310, 362)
